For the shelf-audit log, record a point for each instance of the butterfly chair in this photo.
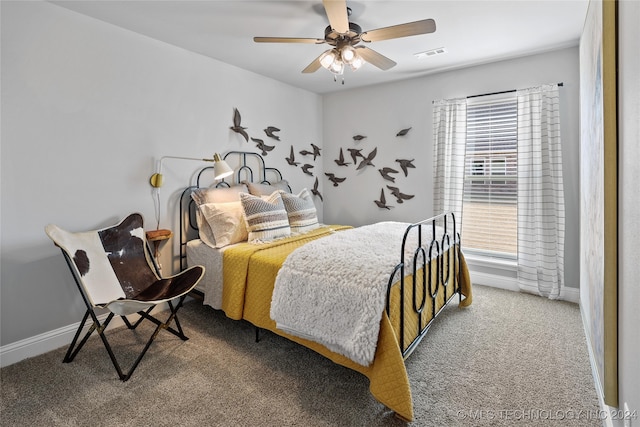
(114, 270)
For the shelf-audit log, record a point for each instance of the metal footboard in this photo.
(436, 240)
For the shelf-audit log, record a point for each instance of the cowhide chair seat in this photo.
(114, 270)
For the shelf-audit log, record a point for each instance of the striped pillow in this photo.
(266, 217)
(301, 211)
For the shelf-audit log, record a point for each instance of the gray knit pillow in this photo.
(301, 211)
(266, 217)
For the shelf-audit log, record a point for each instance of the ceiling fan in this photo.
(345, 38)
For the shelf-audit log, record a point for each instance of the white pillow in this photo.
(226, 222)
(206, 195)
(258, 189)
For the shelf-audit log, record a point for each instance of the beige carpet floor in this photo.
(510, 359)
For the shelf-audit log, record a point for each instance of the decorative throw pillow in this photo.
(267, 189)
(266, 218)
(218, 194)
(203, 196)
(226, 222)
(301, 211)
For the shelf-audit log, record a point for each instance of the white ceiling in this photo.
(472, 32)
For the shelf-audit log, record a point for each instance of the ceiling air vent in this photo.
(430, 53)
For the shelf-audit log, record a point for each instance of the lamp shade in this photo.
(220, 168)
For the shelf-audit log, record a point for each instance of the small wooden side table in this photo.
(157, 237)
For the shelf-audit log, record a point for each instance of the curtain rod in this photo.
(498, 93)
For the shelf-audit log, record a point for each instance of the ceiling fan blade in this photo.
(374, 58)
(337, 13)
(286, 40)
(314, 66)
(425, 26)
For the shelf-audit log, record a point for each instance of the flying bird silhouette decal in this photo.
(292, 158)
(237, 126)
(305, 168)
(315, 191)
(400, 197)
(355, 153)
(270, 131)
(382, 203)
(385, 173)
(262, 146)
(367, 160)
(405, 165)
(315, 152)
(335, 179)
(340, 160)
(403, 132)
(359, 137)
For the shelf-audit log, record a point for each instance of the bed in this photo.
(363, 297)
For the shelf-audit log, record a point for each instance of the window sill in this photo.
(477, 260)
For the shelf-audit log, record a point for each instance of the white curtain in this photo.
(540, 192)
(449, 142)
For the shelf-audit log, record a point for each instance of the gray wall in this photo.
(379, 112)
(87, 110)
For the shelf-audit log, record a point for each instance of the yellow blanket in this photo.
(249, 276)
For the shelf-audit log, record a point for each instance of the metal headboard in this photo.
(241, 162)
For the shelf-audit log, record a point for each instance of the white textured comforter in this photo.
(333, 290)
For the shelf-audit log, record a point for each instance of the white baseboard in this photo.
(510, 284)
(608, 421)
(494, 280)
(42, 343)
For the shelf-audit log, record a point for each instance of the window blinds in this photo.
(490, 215)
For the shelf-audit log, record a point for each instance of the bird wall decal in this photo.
(385, 171)
(340, 160)
(237, 125)
(359, 137)
(367, 160)
(315, 191)
(292, 158)
(305, 168)
(405, 165)
(382, 203)
(355, 153)
(270, 131)
(262, 146)
(334, 179)
(400, 197)
(403, 132)
(315, 152)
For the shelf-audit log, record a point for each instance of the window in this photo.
(490, 179)
(498, 168)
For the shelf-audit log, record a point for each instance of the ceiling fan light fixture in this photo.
(337, 66)
(328, 58)
(356, 63)
(348, 54)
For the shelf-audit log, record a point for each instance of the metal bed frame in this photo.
(425, 252)
(188, 225)
(421, 263)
